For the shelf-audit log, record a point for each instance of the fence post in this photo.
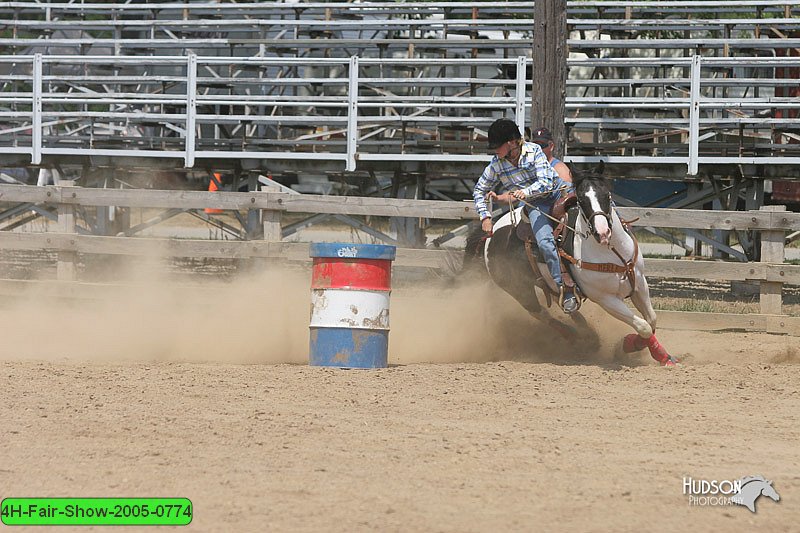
(271, 219)
(694, 116)
(253, 229)
(772, 251)
(66, 264)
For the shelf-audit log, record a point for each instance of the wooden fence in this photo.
(772, 222)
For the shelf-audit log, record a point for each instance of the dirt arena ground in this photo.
(482, 423)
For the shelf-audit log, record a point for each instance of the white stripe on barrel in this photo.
(337, 308)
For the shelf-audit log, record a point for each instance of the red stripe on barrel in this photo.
(344, 273)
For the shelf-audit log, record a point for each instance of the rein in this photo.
(554, 219)
(542, 194)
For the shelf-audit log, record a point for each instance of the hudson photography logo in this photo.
(714, 492)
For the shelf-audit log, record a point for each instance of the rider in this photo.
(544, 139)
(523, 171)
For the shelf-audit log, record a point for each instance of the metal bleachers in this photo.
(690, 86)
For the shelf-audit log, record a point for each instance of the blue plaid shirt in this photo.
(534, 175)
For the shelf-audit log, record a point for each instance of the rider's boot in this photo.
(569, 301)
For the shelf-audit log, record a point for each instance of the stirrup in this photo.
(562, 301)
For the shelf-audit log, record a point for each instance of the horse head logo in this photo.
(752, 488)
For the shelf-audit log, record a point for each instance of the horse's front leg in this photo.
(641, 300)
(644, 337)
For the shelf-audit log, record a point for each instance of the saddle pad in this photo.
(567, 240)
(524, 233)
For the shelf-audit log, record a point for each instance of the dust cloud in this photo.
(257, 316)
(142, 311)
(476, 322)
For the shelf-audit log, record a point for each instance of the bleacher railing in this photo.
(701, 110)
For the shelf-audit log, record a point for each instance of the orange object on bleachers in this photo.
(212, 186)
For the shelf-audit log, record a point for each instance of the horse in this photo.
(751, 488)
(604, 260)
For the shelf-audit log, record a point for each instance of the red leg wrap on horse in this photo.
(633, 343)
(657, 351)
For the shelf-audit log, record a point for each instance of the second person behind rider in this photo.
(524, 173)
(544, 139)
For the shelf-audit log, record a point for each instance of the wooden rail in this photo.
(771, 273)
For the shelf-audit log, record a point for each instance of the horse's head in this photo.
(594, 200)
(769, 491)
(751, 488)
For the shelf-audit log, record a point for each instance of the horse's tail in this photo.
(474, 251)
(459, 268)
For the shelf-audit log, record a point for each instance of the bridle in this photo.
(590, 218)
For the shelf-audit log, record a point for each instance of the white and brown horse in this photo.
(604, 260)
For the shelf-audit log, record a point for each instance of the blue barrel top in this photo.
(353, 251)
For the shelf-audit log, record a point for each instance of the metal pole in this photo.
(520, 95)
(352, 115)
(191, 108)
(36, 131)
(694, 115)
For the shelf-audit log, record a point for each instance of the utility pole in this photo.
(550, 69)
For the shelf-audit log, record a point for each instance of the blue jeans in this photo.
(543, 232)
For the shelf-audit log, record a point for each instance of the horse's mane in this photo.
(749, 479)
(579, 177)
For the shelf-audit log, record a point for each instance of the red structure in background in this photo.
(787, 191)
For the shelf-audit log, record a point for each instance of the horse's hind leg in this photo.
(585, 330)
(565, 330)
(528, 299)
(620, 311)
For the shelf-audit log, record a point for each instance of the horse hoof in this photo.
(671, 362)
(565, 330)
(633, 343)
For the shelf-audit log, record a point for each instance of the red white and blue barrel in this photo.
(350, 288)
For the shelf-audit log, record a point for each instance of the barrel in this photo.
(350, 288)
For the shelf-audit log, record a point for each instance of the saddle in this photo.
(565, 210)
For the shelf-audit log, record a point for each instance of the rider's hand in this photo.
(486, 225)
(518, 194)
(503, 198)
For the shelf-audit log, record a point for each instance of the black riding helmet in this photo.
(501, 131)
